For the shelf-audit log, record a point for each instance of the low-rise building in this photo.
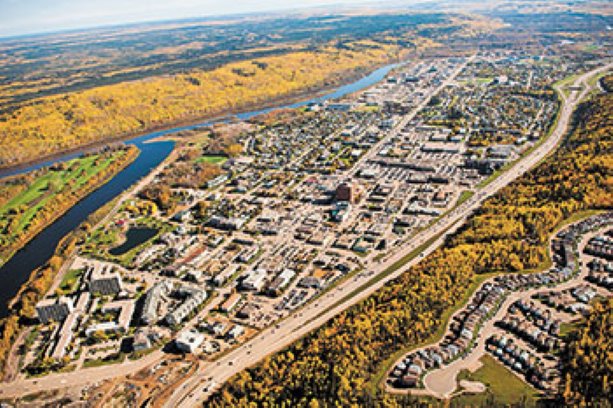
(189, 340)
(66, 334)
(153, 300)
(124, 310)
(104, 280)
(235, 332)
(281, 281)
(194, 298)
(255, 280)
(141, 341)
(230, 303)
(54, 309)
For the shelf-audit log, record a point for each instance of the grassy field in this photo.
(567, 328)
(70, 281)
(563, 84)
(212, 159)
(437, 335)
(42, 196)
(503, 387)
(48, 185)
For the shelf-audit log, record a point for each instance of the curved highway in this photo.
(196, 390)
(210, 375)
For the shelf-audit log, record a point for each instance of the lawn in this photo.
(75, 175)
(464, 196)
(70, 281)
(566, 82)
(46, 194)
(212, 159)
(503, 387)
(568, 328)
(111, 359)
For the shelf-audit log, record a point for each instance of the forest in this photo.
(588, 360)
(336, 364)
(136, 79)
(30, 69)
(58, 123)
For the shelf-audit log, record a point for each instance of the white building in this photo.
(255, 280)
(189, 340)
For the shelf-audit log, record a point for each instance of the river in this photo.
(38, 251)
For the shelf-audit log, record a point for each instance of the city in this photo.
(257, 234)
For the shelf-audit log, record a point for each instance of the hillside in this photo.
(337, 362)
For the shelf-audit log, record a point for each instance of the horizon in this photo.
(23, 18)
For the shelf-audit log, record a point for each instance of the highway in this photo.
(195, 391)
(211, 374)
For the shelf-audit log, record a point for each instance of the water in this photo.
(134, 238)
(358, 85)
(38, 251)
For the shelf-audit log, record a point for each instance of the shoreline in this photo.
(131, 155)
(274, 103)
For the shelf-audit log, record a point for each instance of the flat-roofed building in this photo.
(235, 332)
(104, 280)
(124, 308)
(54, 309)
(153, 300)
(281, 281)
(189, 340)
(66, 334)
(230, 303)
(255, 280)
(194, 298)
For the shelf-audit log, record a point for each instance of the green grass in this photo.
(564, 83)
(464, 196)
(593, 83)
(70, 281)
(485, 80)
(17, 216)
(106, 237)
(112, 359)
(378, 377)
(502, 385)
(212, 159)
(591, 47)
(568, 328)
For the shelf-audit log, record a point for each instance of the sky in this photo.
(19, 17)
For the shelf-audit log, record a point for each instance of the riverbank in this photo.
(56, 204)
(40, 249)
(246, 110)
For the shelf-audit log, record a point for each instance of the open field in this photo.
(32, 201)
(311, 256)
(503, 386)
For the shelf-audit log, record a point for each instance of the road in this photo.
(195, 391)
(442, 383)
(310, 317)
(409, 117)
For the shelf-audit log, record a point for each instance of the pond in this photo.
(134, 237)
(37, 252)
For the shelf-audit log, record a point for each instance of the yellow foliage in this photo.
(56, 123)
